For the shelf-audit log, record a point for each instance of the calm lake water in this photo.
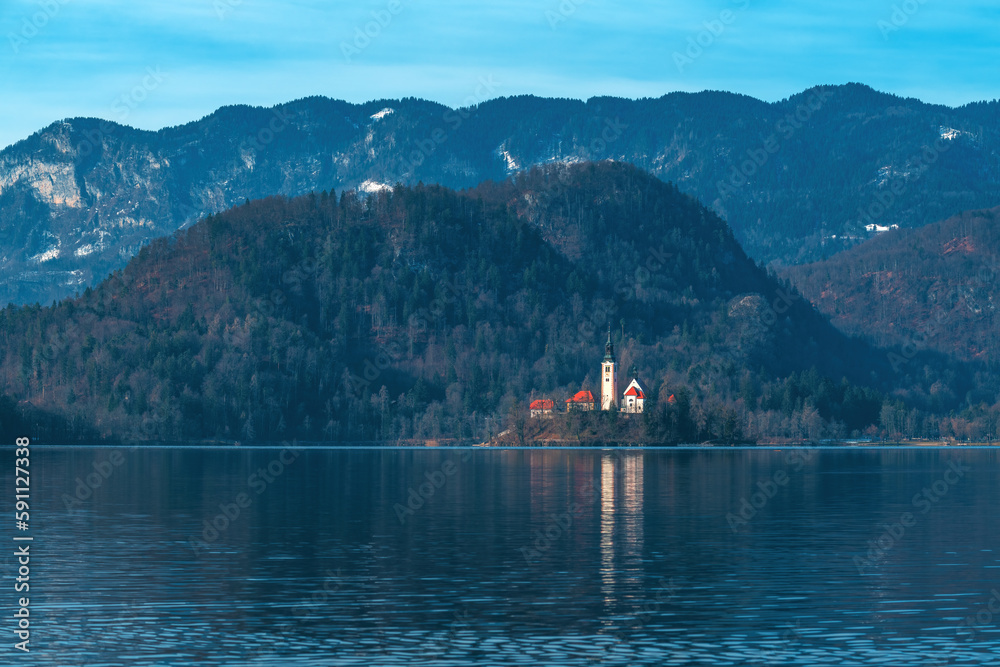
(511, 557)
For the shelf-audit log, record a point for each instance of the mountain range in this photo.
(797, 180)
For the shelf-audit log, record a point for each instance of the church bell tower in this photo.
(609, 377)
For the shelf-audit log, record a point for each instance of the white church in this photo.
(631, 401)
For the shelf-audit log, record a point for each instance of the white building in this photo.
(878, 229)
(543, 407)
(634, 398)
(582, 400)
(609, 377)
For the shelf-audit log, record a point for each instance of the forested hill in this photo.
(931, 288)
(423, 312)
(797, 179)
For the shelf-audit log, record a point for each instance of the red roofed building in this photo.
(542, 406)
(583, 400)
(634, 399)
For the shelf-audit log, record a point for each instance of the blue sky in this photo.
(152, 64)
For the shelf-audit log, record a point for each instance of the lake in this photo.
(511, 557)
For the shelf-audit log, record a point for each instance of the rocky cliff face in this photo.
(797, 179)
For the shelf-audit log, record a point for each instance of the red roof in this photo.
(543, 404)
(632, 391)
(671, 399)
(581, 397)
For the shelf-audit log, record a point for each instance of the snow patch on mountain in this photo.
(51, 253)
(565, 159)
(382, 114)
(505, 155)
(90, 248)
(950, 134)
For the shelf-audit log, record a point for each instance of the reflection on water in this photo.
(450, 557)
(621, 530)
(607, 529)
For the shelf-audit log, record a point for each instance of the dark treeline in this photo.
(422, 313)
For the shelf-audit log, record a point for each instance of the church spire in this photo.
(609, 376)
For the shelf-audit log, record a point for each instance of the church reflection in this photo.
(621, 525)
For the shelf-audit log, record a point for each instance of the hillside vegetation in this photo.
(421, 312)
(937, 287)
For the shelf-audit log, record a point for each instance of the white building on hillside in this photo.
(634, 398)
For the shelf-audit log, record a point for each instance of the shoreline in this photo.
(469, 445)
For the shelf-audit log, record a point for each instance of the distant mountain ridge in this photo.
(796, 179)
